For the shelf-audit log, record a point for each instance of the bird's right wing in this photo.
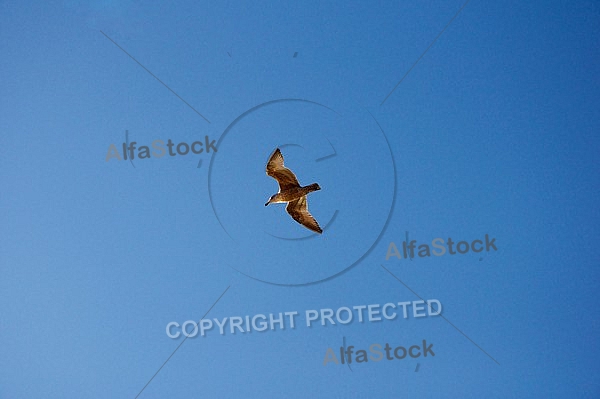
(298, 209)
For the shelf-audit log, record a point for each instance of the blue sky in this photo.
(493, 132)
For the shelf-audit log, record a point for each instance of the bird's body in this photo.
(291, 192)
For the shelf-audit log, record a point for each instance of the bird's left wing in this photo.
(283, 175)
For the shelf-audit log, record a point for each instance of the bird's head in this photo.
(270, 200)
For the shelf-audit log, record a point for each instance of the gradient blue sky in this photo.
(495, 131)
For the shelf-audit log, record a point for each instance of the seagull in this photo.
(291, 192)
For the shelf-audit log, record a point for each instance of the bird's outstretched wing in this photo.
(283, 175)
(298, 209)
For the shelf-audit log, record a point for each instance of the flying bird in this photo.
(291, 192)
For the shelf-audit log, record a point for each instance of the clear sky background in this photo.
(494, 131)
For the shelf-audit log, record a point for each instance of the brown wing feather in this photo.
(283, 175)
(298, 209)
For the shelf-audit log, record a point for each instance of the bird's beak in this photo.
(267, 204)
